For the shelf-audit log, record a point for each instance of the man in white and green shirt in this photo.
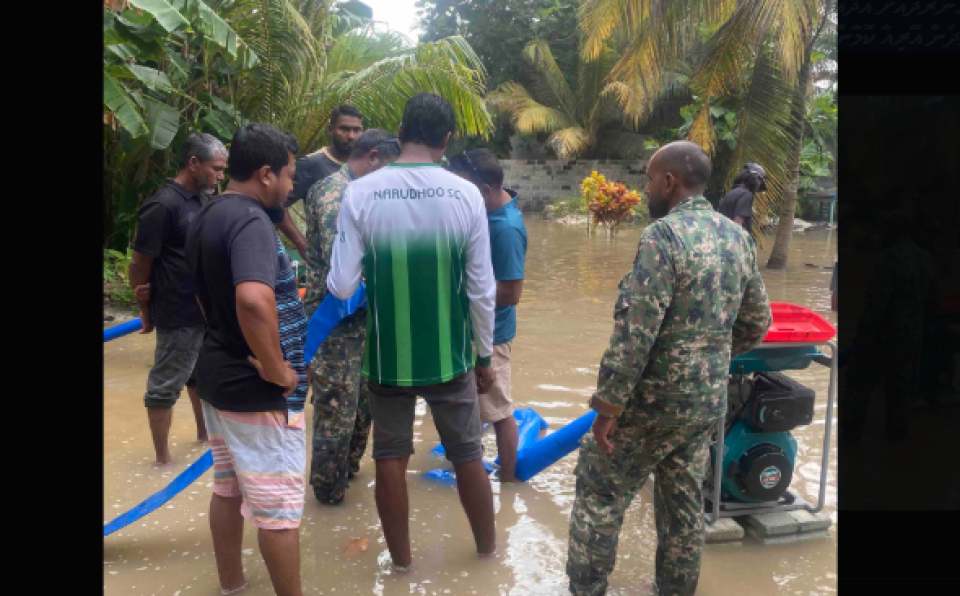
(418, 235)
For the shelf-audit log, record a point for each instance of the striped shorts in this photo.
(260, 456)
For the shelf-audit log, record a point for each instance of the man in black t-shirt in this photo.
(164, 285)
(251, 373)
(346, 124)
(738, 204)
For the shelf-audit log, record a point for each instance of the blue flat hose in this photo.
(330, 312)
(154, 501)
(548, 450)
(537, 454)
(122, 329)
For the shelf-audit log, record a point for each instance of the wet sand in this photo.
(564, 324)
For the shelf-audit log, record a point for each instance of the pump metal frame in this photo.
(790, 501)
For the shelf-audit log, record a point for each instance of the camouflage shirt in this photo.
(322, 206)
(693, 296)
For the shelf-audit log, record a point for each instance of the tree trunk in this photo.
(781, 248)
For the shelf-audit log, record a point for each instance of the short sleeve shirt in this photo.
(311, 169)
(162, 234)
(508, 249)
(232, 241)
(739, 203)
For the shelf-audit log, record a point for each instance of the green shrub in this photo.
(569, 206)
(116, 283)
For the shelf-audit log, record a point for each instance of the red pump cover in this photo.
(797, 323)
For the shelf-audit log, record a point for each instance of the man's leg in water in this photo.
(361, 429)
(197, 411)
(393, 507)
(508, 436)
(226, 526)
(336, 385)
(496, 406)
(476, 496)
(281, 553)
(174, 359)
(456, 415)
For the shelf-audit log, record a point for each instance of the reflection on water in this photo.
(564, 323)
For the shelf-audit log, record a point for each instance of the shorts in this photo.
(173, 364)
(454, 408)
(262, 457)
(496, 404)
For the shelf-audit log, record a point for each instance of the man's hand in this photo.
(145, 318)
(485, 378)
(302, 249)
(603, 429)
(143, 292)
(288, 382)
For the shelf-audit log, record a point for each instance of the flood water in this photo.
(564, 323)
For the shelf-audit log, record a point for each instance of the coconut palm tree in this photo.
(178, 66)
(586, 121)
(761, 50)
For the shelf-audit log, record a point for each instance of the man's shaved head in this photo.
(678, 171)
(687, 161)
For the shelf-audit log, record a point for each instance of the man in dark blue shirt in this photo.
(508, 249)
(160, 276)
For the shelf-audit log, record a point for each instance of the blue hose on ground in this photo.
(552, 447)
(122, 329)
(154, 501)
(330, 312)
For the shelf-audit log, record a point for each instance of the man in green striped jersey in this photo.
(418, 234)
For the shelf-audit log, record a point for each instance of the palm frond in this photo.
(448, 67)
(767, 134)
(620, 144)
(526, 114)
(570, 142)
(290, 55)
(659, 32)
(701, 131)
(546, 83)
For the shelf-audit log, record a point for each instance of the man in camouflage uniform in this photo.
(341, 417)
(904, 289)
(693, 296)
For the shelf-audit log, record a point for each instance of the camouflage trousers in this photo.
(607, 484)
(341, 414)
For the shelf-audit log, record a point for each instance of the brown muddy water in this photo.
(564, 323)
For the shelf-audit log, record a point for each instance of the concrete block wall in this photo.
(540, 182)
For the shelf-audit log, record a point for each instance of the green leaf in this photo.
(151, 77)
(130, 16)
(116, 100)
(817, 57)
(216, 30)
(123, 51)
(651, 144)
(163, 121)
(168, 17)
(179, 64)
(220, 123)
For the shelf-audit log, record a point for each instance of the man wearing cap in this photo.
(738, 204)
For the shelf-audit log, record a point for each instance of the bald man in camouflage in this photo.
(693, 299)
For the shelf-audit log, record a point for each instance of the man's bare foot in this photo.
(202, 439)
(489, 554)
(163, 464)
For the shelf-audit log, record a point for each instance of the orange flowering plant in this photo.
(610, 203)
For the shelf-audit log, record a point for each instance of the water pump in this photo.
(759, 453)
